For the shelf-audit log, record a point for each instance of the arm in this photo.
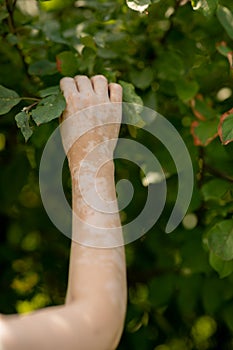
(93, 315)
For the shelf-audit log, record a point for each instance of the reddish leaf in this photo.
(201, 109)
(58, 64)
(197, 114)
(204, 132)
(224, 132)
(225, 51)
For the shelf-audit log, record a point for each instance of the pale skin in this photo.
(93, 314)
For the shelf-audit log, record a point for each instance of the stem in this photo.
(10, 10)
(202, 167)
(14, 4)
(27, 108)
(31, 99)
(10, 6)
(218, 173)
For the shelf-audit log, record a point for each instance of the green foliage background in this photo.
(178, 57)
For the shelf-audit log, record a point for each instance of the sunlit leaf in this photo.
(138, 5)
(225, 17)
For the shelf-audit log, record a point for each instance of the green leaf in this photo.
(52, 28)
(129, 94)
(170, 66)
(142, 79)
(22, 120)
(215, 190)
(8, 99)
(204, 131)
(223, 267)
(225, 129)
(161, 289)
(220, 239)
(202, 110)
(49, 108)
(225, 17)
(42, 67)
(223, 49)
(88, 41)
(133, 107)
(67, 63)
(228, 315)
(52, 90)
(4, 14)
(186, 90)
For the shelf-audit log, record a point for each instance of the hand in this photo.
(92, 117)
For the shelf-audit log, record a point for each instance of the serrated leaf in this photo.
(22, 121)
(67, 63)
(226, 19)
(223, 267)
(225, 128)
(49, 108)
(220, 239)
(201, 110)
(129, 94)
(52, 90)
(8, 99)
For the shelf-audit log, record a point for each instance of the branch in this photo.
(218, 173)
(10, 6)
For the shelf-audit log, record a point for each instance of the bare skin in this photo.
(94, 312)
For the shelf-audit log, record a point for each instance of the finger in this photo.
(100, 85)
(115, 92)
(83, 84)
(68, 87)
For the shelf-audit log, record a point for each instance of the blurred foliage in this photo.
(176, 57)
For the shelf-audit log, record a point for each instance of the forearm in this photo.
(98, 274)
